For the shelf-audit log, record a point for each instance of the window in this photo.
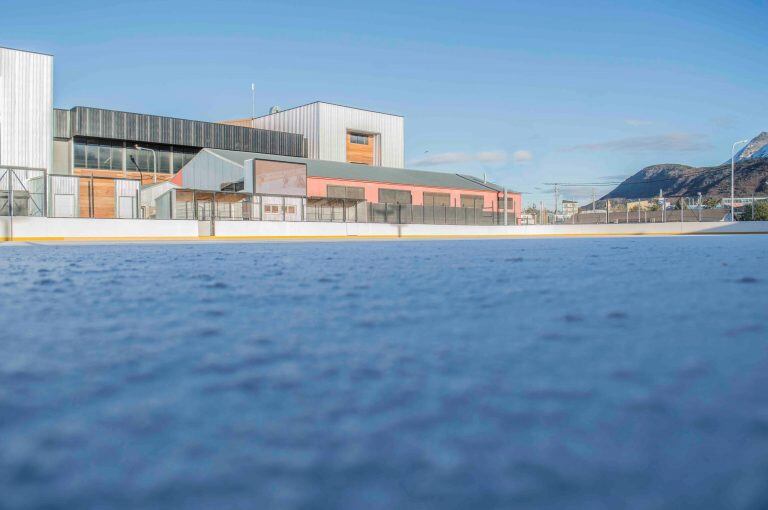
(290, 209)
(472, 201)
(348, 192)
(164, 162)
(358, 139)
(394, 196)
(79, 155)
(91, 156)
(233, 186)
(437, 199)
(108, 155)
(98, 154)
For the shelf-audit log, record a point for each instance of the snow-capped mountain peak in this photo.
(756, 148)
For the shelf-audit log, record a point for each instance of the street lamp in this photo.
(154, 157)
(733, 166)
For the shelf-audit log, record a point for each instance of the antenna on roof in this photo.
(253, 100)
(274, 109)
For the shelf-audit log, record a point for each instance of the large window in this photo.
(98, 154)
(351, 192)
(394, 196)
(108, 155)
(437, 199)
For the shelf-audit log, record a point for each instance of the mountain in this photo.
(756, 148)
(751, 177)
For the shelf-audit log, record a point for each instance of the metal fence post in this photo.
(9, 173)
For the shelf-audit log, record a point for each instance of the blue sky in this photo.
(526, 92)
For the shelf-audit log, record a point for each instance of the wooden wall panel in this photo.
(101, 189)
(360, 153)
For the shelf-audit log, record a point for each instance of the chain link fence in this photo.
(651, 210)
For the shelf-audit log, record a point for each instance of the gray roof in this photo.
(336, 170)
(332, 104)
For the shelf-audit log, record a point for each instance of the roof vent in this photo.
(274, 109)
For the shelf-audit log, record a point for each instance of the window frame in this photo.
(356, 138)
(397, 193)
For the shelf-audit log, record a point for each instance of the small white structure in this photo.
(327, 128)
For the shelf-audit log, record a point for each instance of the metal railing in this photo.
(31, 192)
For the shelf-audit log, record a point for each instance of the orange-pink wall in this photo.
(317, 187)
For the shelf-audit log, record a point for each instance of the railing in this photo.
(22, 192)
(30, 192)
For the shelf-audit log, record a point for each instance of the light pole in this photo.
(154, 158)
(733, 167)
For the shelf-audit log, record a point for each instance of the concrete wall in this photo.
(28, 228)
(309, 229)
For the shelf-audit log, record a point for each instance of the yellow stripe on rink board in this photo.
(357, 237)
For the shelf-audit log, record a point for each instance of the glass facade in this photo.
(108, 155)
(95, 154)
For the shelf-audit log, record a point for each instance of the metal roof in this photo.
(351, 171)
(326, 102)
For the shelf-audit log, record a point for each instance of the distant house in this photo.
(570, 207)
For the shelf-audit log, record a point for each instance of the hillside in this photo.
(751, 177)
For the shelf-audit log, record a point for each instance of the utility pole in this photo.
(663, 205)
(700, 206)
(682, 207)
(733, 169)
(557, 193)
(593, 199)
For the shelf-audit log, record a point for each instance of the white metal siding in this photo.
(126, 192)
(325, 127)
(336, 121)
(302, 120)
(64, 192)
(26, 109)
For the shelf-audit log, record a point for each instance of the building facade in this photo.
(98, 163)
(340, 133)
(316, 183)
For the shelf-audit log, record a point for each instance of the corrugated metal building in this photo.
(26, 109)
(327, 128)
